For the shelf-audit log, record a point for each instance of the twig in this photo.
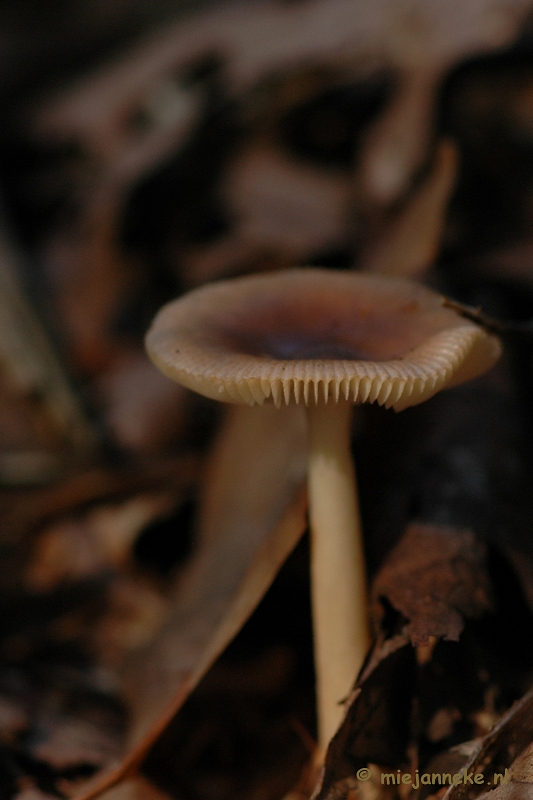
(475, 314)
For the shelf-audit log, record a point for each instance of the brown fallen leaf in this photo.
(64, 722)
(90, 276)
(396, 144)
(244, 537)
(230, 255)
(511, 791)
(283, 213)
(144, 412)
(285, 205)
(67, 742)
(376, 727)
(72, 558)
(433, 577)
(436, 579)
(43, 428)
(521, 769)
(13, 718)
(27, 510)
(496, 754)
(33, 793)
(411, 240)
(258, 40)
(137, 788)
(129, 611)
(79, 546)
(264, 454)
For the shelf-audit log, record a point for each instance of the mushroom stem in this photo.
(338, 581)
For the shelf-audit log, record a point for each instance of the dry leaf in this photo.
(258, 40)
(510, 791)
(376, 727)
(74, 581)
(91, 277)
(263, 454)
(244, 537)
(497, 752)
(433, 577)
(32, 793)
(44, 427)
(285, 205)
(66, 742)
(522, 767)
(411, 240)
(134, 612)
(144, 411)
(282, 211)
(77, 547)
(137, 788)
(396, 145)
(26, 511)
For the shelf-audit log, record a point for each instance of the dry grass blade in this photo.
(245, 535)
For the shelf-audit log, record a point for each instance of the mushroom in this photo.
(329, 340)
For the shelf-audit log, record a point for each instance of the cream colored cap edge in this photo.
(444, 359)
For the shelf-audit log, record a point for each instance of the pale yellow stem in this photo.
(338, 581)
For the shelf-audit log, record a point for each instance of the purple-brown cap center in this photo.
(297, 328)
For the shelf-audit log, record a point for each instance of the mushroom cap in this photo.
(315, 335)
